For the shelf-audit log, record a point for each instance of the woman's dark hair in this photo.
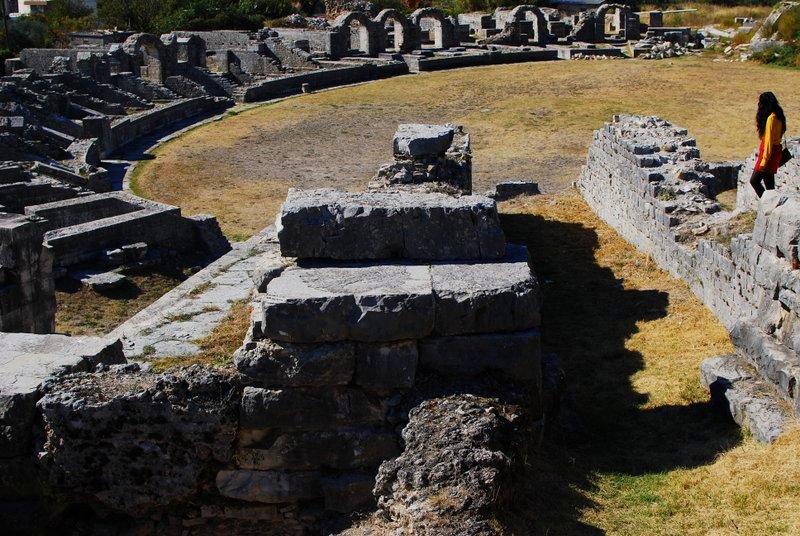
(768, 104)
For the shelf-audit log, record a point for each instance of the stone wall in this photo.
(130, 128)
(27, 292)
(644, 177)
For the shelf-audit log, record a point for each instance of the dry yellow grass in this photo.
(653, 459)
(709, 14)
(531, 121)
(217, 348)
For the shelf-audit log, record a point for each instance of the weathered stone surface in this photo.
(516, 355)
(103, 282)
(283, 363)
(419, 140)
(486, 297)
(361, 303)
(26, 362)
(293, 409)
(749, 401)
(777, 227)
(386, 366)
(327, 223)
(455, 469)
(511, 189)
(137, 442)
(343, 449)
(27, 299)
(269, 486)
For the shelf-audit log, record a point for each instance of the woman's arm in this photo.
(772, 136)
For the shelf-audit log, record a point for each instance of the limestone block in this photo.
(327, 223)
(777, 227)
(269, 486)
(486, 297)
(386, 366)
(308, 408)
(360, 303)
(738, 388)
(516, 355)
(421, 140)
(345, 449)
(283, 363)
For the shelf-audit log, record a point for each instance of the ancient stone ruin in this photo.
(644, 176)
(372, 310)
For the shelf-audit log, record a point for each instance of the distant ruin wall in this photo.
(131, 128)
(643, 177)
(322, 79)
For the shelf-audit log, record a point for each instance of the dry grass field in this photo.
(640, 451)
(530, 121)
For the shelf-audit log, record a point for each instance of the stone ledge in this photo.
(330, 224)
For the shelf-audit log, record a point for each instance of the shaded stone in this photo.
(517, 355)
(327, 223)
(386, 366)
(104, 282)
(362, 448)
(269, 486)
(348, 493)
(420, 140)
(309, 408)
(284, 363)
(361, 303)
(486, 297)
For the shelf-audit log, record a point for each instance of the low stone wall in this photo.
(438, 63)
(643, 176)
(134, 127)
(322, 79)
(80, 210)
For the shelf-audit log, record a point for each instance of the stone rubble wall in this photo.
(643, 176)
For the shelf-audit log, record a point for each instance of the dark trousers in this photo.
(757, 177)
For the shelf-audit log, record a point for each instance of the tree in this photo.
(136, 15)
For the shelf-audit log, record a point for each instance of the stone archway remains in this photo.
(442, 28)
(148, 55)
(398, 38)
(354, 30)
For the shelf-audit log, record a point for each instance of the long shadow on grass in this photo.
(586, 318)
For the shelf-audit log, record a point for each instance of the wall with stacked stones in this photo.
(644, 177)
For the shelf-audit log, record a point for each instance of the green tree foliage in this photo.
(136, 15)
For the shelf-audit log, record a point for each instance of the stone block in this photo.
(517, 355)
(415, 140)
(360, 303)
(348, 493)
(327, 223)
(386, 366)
(269, 486)
(308, 409)
(287, 364)
(777, 227)
(345, 449)
(486, 297)
(512, 189)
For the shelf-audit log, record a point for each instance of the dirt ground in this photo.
(528, 121)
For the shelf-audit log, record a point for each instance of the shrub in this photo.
(788, 26)
(786, 55)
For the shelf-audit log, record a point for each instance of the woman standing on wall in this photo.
(771, 125)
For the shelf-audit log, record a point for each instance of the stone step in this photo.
(778, 365)
(329, 224)
(749, 400)
(391, 302)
